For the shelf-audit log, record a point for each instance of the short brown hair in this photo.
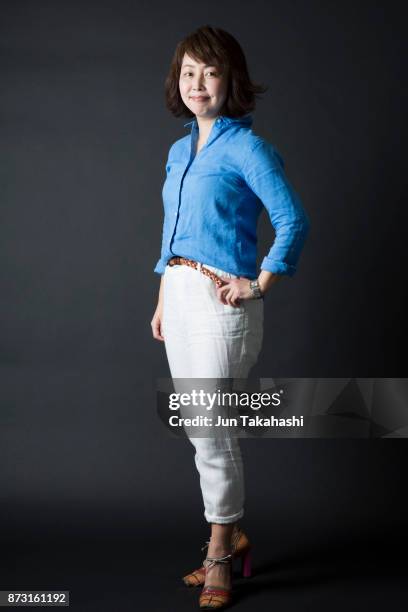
(218, 47)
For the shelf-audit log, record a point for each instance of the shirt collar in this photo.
(245, 121)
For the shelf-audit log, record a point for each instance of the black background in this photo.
(95, 496)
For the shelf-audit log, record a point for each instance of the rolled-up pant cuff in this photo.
(224, 520)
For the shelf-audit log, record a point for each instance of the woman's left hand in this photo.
(234, 290)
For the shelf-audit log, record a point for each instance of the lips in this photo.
(198, 98)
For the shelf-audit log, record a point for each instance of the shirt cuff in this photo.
(277, 267)
(160, 267)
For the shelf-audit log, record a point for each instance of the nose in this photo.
(197, 83)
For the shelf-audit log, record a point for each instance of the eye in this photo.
(211, 72)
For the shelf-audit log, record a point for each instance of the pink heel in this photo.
(246, 568)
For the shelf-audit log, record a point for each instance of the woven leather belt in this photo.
(194, 264)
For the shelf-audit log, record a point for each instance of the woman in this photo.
(210, 307)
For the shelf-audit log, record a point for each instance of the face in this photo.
(203, 88)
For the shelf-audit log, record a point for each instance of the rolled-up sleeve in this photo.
(160, 267)
(161, 264)
(264, 174)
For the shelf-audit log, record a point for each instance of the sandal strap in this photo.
(214, 590)
(211, 561)
(205, 545)
(236, 535)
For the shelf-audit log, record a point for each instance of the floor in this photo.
(138, 567)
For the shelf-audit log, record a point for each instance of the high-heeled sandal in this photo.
(214, 597)
(240, 549)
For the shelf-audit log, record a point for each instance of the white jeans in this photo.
(207, 339)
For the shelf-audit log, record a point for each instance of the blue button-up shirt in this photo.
(212, 201)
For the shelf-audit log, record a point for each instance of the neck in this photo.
(204, 125)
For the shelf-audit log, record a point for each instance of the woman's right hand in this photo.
(156, 323)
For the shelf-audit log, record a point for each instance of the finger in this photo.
(221, 294)
(159, 335)
(233, 296)
(236, 299)
(157, 331)
(230, 297)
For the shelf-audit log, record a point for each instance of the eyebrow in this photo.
(206, 66)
